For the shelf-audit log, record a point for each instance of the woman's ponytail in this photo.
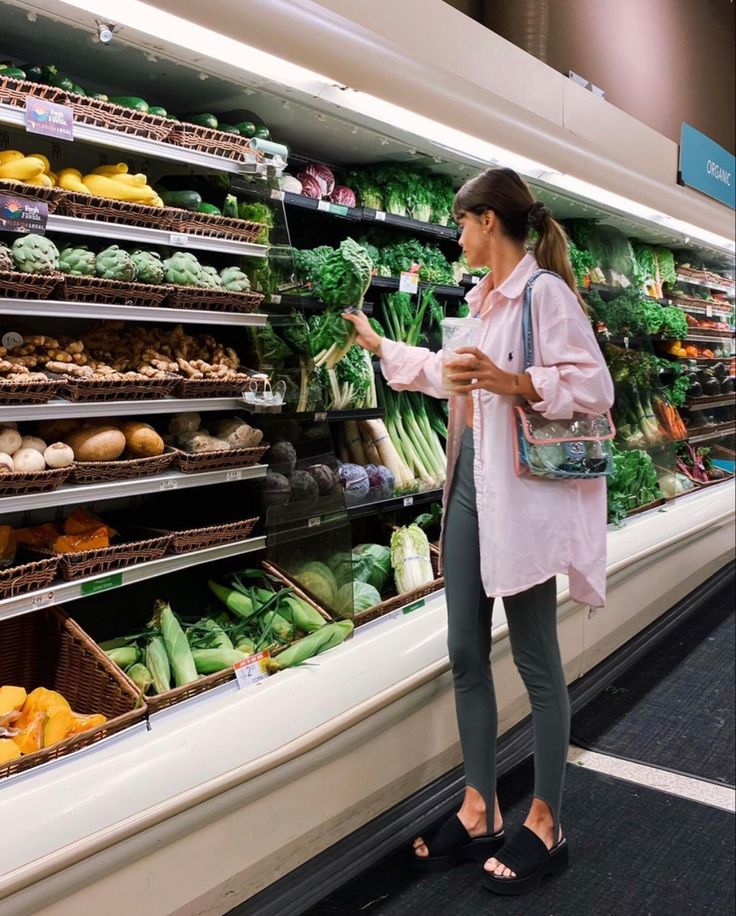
(551, 250)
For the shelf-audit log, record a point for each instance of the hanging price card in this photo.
(408, 282)
(251, 670)
(178, 238)
(21, 214)
(276, 194)
(408, 500)
(324, 206)
(49, 119)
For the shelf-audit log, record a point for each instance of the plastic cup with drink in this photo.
(456, 334)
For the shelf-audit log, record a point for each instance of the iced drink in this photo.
(456, 334)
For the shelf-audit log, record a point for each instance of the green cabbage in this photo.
(319, 580)
(356, 597)
(372, 564)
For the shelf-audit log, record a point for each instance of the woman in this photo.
(504, 535)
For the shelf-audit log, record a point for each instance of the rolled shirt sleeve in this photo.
(408, 368)
(570, 375)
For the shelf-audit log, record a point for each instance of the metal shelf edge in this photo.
(60, 408)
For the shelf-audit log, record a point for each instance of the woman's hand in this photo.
(488, 376)
(366, 337)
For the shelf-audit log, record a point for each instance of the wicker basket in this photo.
(27, 575)
(95, 289)
(213, 226)
(217, 300)
(130, 469)
(194, 463)
(102, 209)
(14, 92)
(50, 196)
(207, 140)
(145, 389)
(20, 483)
(214, 387)
(98, 113)
(33, 391)
(208, 536)
(84, 563)
(47, 649)
(17, 285)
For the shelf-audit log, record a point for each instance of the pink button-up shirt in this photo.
(529, 530)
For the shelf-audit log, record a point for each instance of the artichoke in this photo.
(209, 278)
(78, 261)
(35, 254)
(6, 258)
(183, 269)
(234, 280)
(115, 264)
(149, 266)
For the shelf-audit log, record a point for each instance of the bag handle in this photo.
(526, 318)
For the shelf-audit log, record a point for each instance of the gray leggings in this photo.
(532, 622)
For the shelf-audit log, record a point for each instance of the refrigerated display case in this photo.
(198, 797)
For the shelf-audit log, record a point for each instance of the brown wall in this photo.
(662, 61)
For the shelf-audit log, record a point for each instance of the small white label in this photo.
(170, 484)
(42, 599)
(324, 205)
(709, 311)
(626, 342)
(276, 194)
(12, 339)
(234, 475)
(408, 500)
(380, 216)
(475, 280)
(251, 670)
(314, 522)
(408, 282)
(320, 417)
(178, 238)
(276, 299)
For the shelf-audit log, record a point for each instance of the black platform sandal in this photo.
(527, 856)
(451, 844)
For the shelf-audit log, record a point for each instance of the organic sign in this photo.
(20, 214)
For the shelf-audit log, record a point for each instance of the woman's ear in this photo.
(487, 221)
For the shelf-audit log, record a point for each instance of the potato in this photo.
(33, 442)
(53, 430)
(96, 443)
(10, 440)
(142, 440)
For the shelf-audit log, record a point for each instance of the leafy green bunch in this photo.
(632, 313)
(633, 483)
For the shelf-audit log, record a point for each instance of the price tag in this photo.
(42, 600)
(49, 119)
(324, 206)
(709, 311)
(626, 342)
(115, 580)
(408, 500)
(251, 670)
(277, 195)
(314, 522)
(338, 209)
(178, 238)
(413, 607)
(21, 214)
(408, 282)
(170, 484)
(276, 299)
(12, 339)
(475, 280)
(320, 417)
(380, 216)
(234, 475)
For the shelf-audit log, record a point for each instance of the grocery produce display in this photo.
(194, 212)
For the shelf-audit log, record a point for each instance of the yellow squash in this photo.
(22, 169)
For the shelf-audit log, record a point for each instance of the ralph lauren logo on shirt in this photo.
(511, 356)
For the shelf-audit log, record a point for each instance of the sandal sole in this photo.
(477, 851)
(556, 863)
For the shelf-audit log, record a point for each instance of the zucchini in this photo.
(246, 129)
(130, 101)
(33, 72)
(13, 73)
(61, 82)
(158, 110)
(100, 96)
(204, 120)
(230, 207)
(48, 73)
(183, 200)
(209, 208)
(228, 129)
(78, 89)
(262, 133)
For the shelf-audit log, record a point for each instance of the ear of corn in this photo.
(124, 656)
(209, 661)
(141, 676)
(327, 637)
(241, 605)
(177, 647)
(245, 645)
(303, 615)
(274, 623)
(157, 662)
(218, 638)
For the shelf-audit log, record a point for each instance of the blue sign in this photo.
(706, 166)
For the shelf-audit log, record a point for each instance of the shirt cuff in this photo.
(556, 402)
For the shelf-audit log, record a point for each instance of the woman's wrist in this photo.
(524, 387)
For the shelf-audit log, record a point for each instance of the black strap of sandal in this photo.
(448, 838)
(523, 853)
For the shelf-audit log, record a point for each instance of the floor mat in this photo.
(633, 851)
(675, 708)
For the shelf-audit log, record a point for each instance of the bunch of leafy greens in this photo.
(674, 325)
(633, 483)
(277, 353)
(404, 191)
(258, 213)
(351, 384)
(677, 388)
(403, 316)
(631, 313)
(401, 256)
(582, 262)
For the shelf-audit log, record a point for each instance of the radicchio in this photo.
(310, 186)
(344, 196)
(323, 175)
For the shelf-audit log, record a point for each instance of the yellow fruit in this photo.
(71, 180)
(42, 698)
(85, 723)
(102, 186)
(9, 750)
(119, 168)
(59, 724)
(40, 181)
(46, 163)
(30, 736)
(11, 699)
(54, 178)
(9, 155)
(137, 181)
(22, 169)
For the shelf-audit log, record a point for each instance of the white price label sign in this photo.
(709, 311)
(251, 670)
(178, 238)
(408, 282)
(380, 216)
(408, 500)
(169, 485)
(320, 417)
(475, 280)
(234, 475)
(324, 206)
(276, 194)
(276, 299)
(314, 522)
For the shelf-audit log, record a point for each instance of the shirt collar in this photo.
(511, 288)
